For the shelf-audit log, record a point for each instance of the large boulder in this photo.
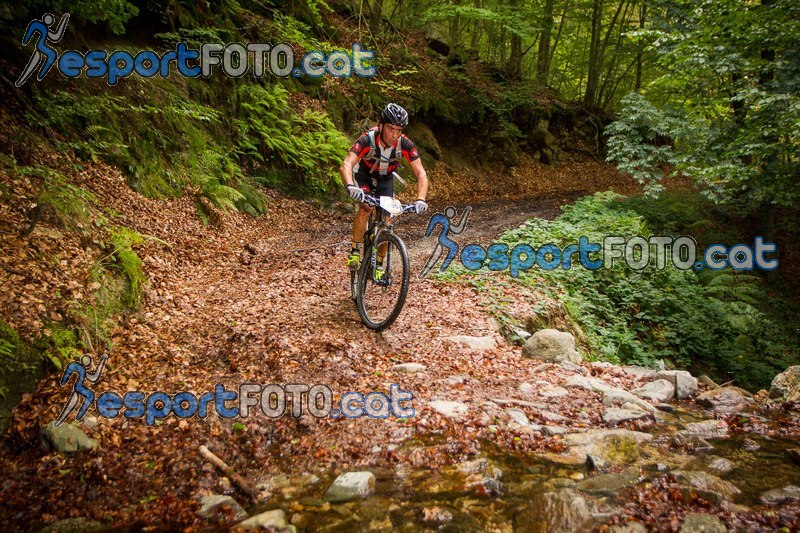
(786, 385)
(615, 446)
(565, 510)
(726, 400)
(66, 438)
(660, 390)
(552, 346)
(270, 521)
(685, 384)
(350, 486)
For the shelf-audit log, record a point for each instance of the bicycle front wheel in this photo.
(380, 301)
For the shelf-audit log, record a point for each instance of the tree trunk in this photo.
(593, 76)
(514, 65)
(455, 36)
(375, 20)
(543, 59)
(640, 54)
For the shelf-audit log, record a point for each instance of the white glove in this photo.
(355, 192)
(420, 206)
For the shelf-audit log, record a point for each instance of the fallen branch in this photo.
(240, 482)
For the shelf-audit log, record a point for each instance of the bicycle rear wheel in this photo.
(380, 303)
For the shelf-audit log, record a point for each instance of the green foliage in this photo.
(115, 13)
(129, 264)
(272, 134)
(69, 202)
(714, 322)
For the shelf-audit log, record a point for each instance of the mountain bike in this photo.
(380, 296)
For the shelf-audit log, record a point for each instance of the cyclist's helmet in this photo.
(394, 114)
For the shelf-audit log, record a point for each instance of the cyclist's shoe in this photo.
(380, 274)
(354, 260)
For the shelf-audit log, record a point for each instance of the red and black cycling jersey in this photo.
(377, 159)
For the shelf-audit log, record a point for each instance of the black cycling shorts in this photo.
(385, 184)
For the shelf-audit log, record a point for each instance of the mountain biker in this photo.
(376, 155)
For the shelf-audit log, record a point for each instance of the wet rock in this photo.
(609, 484)
(476, 343)
(750, 445)
(726, 400)
(483, 475)
(778, 496)
(692, 442)
(588, 383)
(708, 429)
(552, 346)
(436, 515)
(271, 520)
(409, 368)
(659, 390)
(615, 415)
(786, 385)
(631, 527)
(564, 510)
(350, 486)
(702, 522)
(66, 438)
(721, 465)
(449, 409)
(616, 446)
(708, 483)
(685, 384)
(75, 525)
(219, 507)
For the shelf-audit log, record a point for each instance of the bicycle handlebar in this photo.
(374, 202)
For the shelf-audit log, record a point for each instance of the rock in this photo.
(350, 486)
(518, 416)
(482, 474)
(221, 507)
(778, 496)
(449, 409)
(616, 446)
(615, 415)
(659, 390)
(573, 367)
(476, 343)
(552, 417)
(707, 381)
(551, 346)
(66, 438)
(631, 527)
(685, 384)
(708, 483)
(708, 429)
(409, 368)
(459, 379)
(691, 441)
(613, 397)
(721, 465)
(609, 484)
(75, 525)
(565, 510)
(588, 383)
(702, 522)
(726, 400)
(271, 520)
(527, 389)
(554, 430)
(554, 392)
(750, 445)
(786, 385)
(639, 371)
